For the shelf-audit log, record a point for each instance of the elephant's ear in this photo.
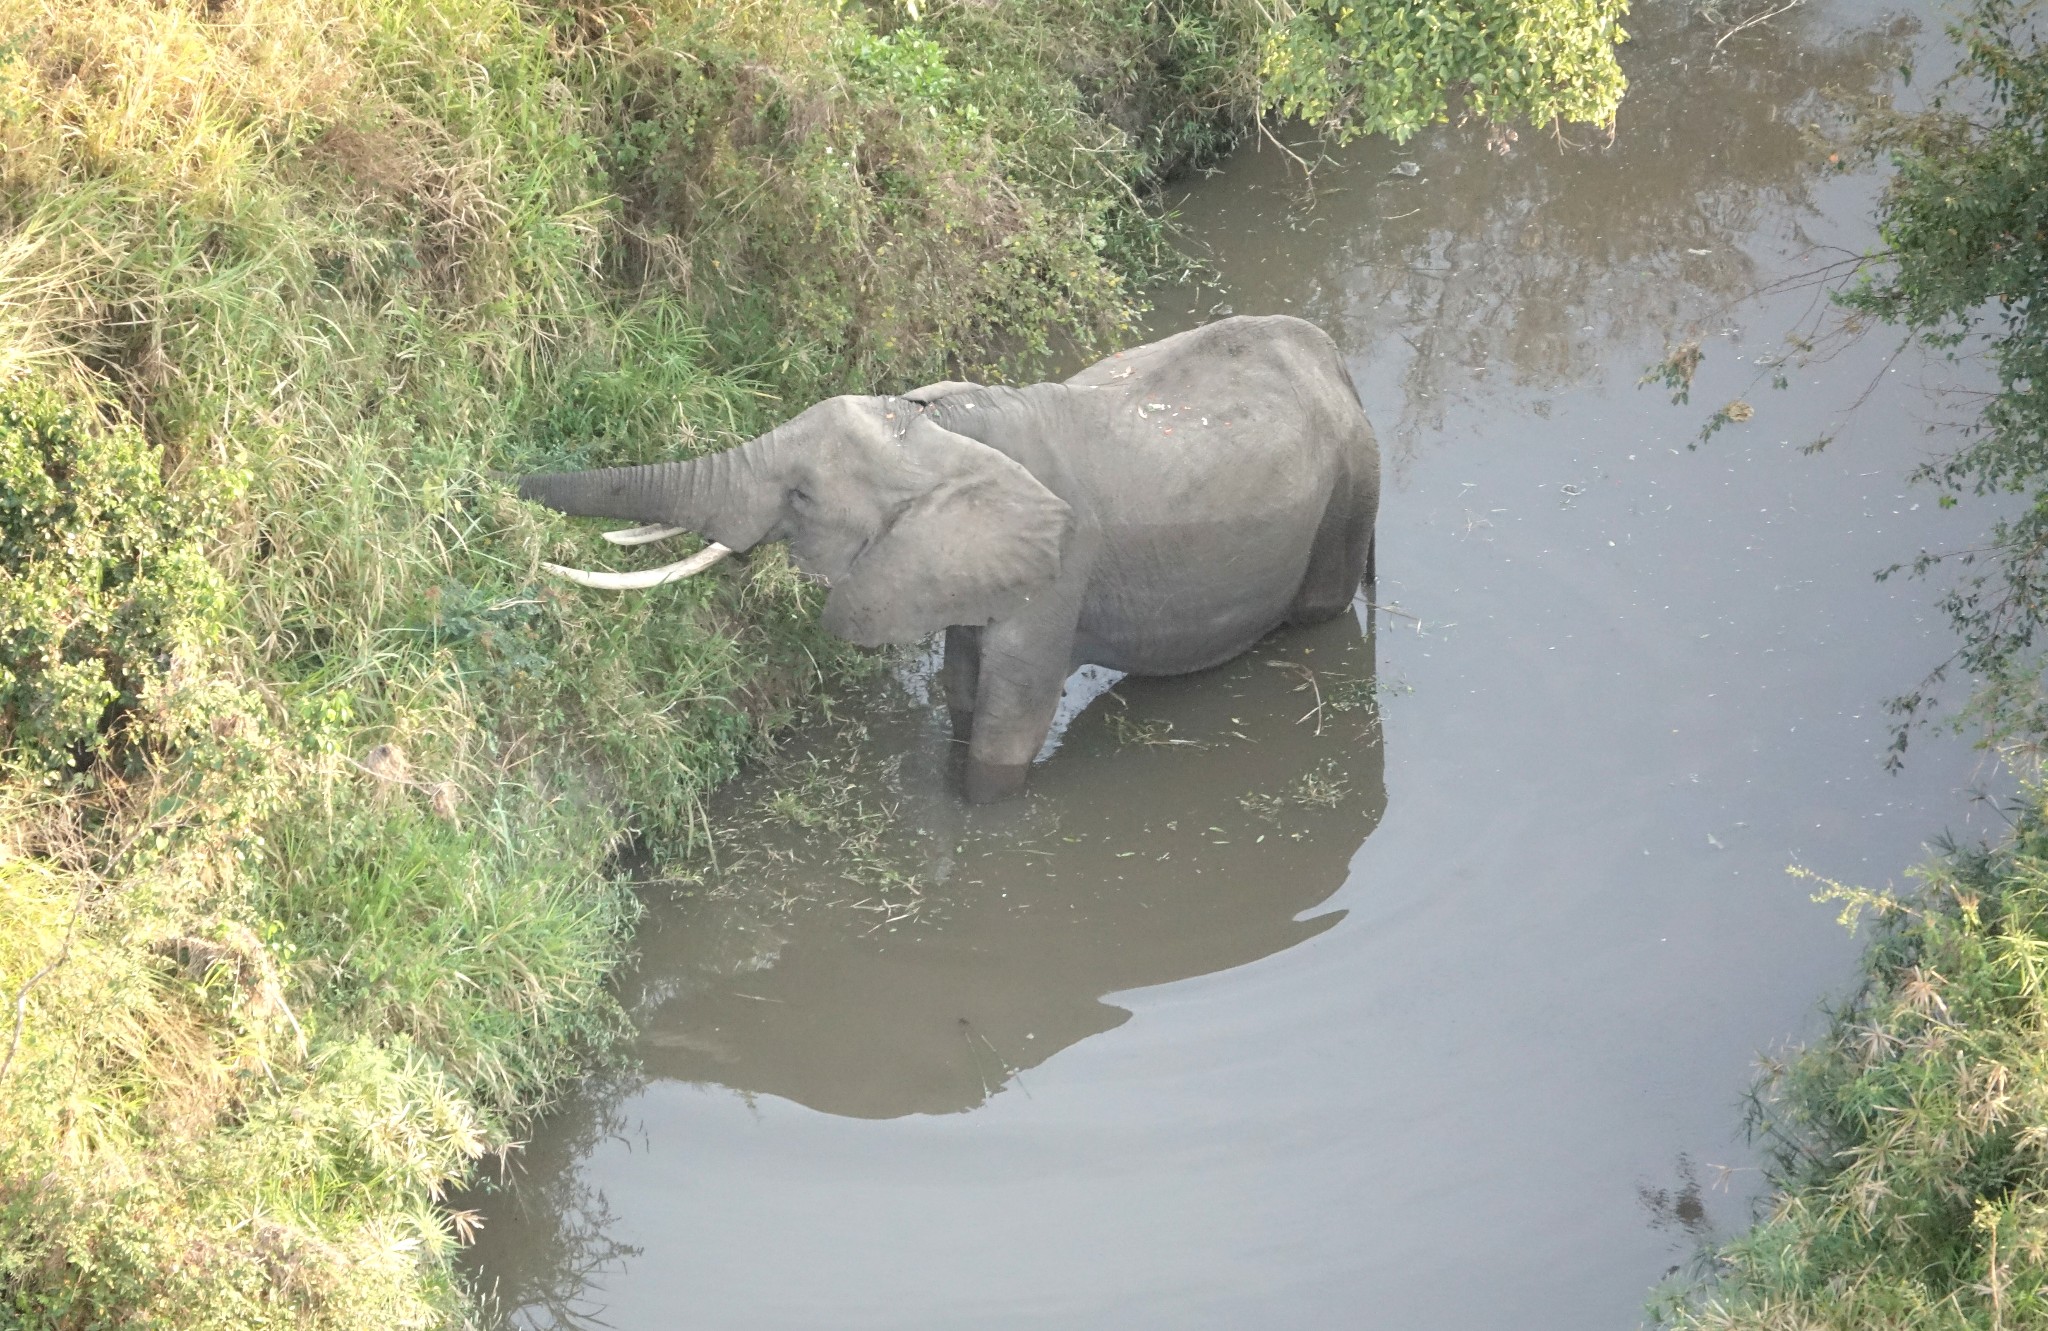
(974, 546)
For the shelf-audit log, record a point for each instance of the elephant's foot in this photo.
(963, 723)
(989, 782)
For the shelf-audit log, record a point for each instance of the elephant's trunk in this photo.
(720, 497)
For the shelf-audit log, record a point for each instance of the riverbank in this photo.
(1910, 1184)
(309, 879)
(313, 793)
(314, 803)
(1912, 1187)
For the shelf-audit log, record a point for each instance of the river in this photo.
(1409, 972)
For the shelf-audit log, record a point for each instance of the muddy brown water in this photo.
(1408, 972)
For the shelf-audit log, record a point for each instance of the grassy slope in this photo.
(330, 892)
(310, 786)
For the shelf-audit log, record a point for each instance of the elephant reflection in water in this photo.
(1181, 829)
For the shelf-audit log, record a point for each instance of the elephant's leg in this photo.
(1342, 554)
(1023, 664)
(962, 676)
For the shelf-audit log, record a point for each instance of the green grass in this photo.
(1910, 1146)
(313, 794)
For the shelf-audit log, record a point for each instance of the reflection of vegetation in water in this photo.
(1525, 267)
(552, 1233)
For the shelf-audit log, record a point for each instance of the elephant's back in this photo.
(1253, 351)
(1215, 457)
(1252, 420)
(1241, 385)
(1243, 340)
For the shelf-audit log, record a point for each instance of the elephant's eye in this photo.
(800, 496)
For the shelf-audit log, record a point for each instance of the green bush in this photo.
(105, 590)
(1911, 1145)
(1363, 68)
(1965, 228)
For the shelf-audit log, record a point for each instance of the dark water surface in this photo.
(1408, 972)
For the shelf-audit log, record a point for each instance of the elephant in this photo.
(1156, 514)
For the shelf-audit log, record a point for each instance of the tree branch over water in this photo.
(1964, 224)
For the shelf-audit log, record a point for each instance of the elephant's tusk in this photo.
(642, 535)
(653, 577)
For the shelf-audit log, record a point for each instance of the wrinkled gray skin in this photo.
(1157, 513)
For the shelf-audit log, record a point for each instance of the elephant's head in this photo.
(914, 527)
